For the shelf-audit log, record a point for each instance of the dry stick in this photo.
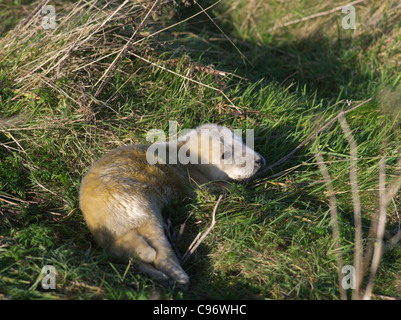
(358, 249)
(312, 136)
(186, 254)
(334, 221)
(117, 61)
(316, 15)
(377, 253)
(395, 187)
(195, 244)
(391, 191)
(373, 231)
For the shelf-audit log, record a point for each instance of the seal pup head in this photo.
(220, 154)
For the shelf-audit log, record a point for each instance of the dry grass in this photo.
(79, 48)
(91, 42)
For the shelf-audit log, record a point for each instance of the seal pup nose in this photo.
(260, 162)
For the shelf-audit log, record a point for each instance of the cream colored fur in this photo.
(122, 195)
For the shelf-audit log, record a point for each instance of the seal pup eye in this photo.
(225, 155)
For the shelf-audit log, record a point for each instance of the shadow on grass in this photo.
(328, 66)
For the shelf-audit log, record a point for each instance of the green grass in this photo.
(273, 239)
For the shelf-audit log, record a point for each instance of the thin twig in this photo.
(380, 296)
(334, 221)
(358, 249)
(192, 245)
(195, 244)
(398, 216)
(377, 253)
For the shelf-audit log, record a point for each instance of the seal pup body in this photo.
(123, 194)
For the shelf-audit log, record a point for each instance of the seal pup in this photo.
(123, 193)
